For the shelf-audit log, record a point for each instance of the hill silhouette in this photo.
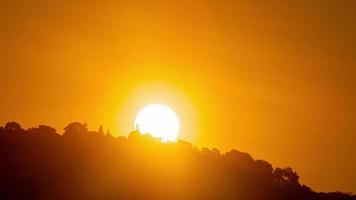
(39, 163)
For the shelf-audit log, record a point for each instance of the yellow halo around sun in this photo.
(159, 121)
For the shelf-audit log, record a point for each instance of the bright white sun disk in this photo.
(159, 121)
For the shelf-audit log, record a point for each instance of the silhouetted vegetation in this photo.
(39, 163)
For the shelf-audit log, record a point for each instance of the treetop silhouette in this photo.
(39, 163)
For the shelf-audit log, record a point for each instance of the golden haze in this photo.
(276, 80)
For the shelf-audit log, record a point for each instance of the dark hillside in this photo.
(39, 163)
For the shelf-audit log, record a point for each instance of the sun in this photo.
(159, 121)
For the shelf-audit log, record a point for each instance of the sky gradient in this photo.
(275, 79)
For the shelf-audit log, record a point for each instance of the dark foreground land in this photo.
(39, 163)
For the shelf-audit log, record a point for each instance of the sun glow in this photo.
(159, 121)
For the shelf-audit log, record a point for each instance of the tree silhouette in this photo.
(75, 128)
(13, 126)
(101, 130)
(39, 163)
(42, 129)
(285, 176)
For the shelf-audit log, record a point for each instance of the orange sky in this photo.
(275, 79)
